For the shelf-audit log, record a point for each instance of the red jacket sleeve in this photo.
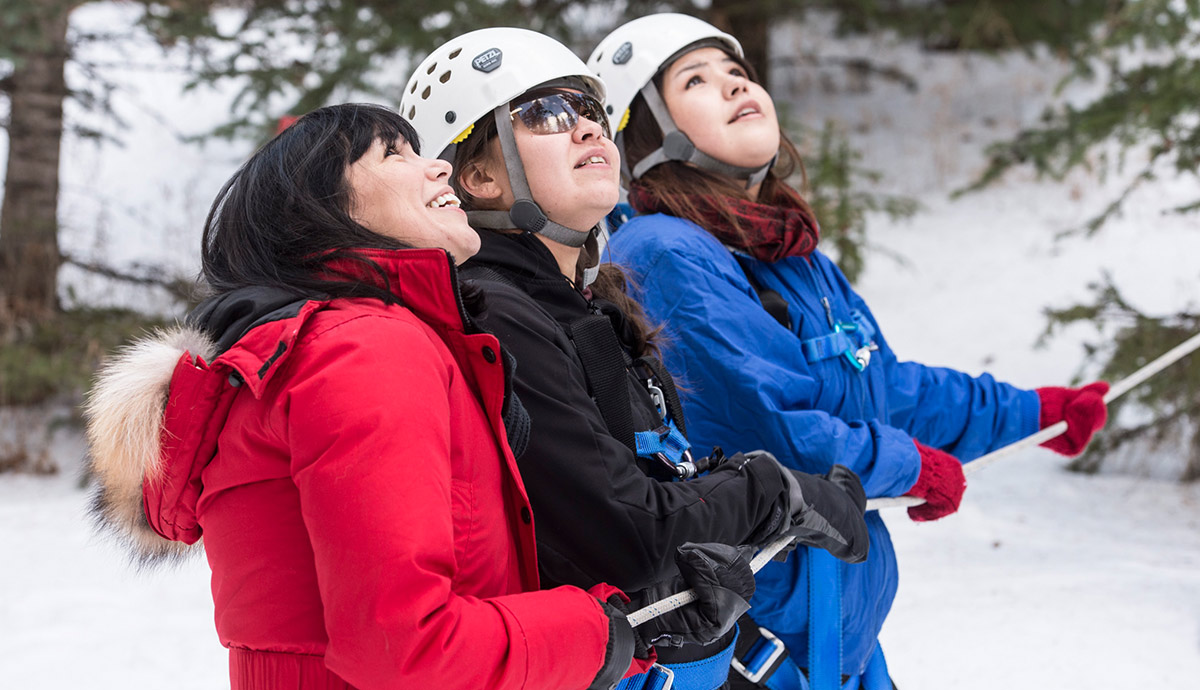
(368, 425)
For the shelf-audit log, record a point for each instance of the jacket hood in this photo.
(157, 407)
(127, 425)
(124, 414)
(225, 318)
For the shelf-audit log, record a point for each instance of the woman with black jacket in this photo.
(536, 169)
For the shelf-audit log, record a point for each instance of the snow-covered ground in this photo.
(1043, 579)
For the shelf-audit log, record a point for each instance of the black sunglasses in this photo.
(557, 112)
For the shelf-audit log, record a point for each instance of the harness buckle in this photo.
(667, 678)
(763, 667)
(659, 677)
(862, 357)
(684, 469)
(656, 395)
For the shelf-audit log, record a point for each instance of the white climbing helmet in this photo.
(629, 58)
(469, 76)
(477, 75)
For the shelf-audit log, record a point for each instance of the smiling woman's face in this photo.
(722, 111)
(404, 196)
(574, 176)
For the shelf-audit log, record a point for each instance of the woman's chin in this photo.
(583, 222)
(586, 216)
(754, 159)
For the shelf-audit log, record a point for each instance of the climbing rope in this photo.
(1055, 430)
(768, 552)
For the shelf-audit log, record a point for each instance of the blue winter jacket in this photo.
(748, 386)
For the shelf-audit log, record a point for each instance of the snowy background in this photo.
(1043, 579)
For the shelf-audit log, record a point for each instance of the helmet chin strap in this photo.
(525, 213)
(677, 147)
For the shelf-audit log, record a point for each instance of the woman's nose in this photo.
(586, 129)
(735, 84)
(438, 168)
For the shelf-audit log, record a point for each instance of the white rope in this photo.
(1168, 358)
(1055, 430)
(685, 597)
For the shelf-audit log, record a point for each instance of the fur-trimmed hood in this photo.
(124, 413)
(155, 409)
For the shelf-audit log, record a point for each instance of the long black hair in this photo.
(284, 216)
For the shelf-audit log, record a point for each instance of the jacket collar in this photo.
(424, 280)
(529, 264)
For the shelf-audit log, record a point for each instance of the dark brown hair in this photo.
(612, 282)
(676, 183)
(283, 220)
(285, 216)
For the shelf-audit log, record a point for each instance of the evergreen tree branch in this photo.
(178, 287)
(859, 65)
(1146, 52)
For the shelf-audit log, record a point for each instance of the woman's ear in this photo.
(479, 179)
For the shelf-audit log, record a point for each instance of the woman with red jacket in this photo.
(333, 424)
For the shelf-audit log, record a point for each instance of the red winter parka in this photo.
(346, 463)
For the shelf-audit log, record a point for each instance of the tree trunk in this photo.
(747, 22)
(29, 256)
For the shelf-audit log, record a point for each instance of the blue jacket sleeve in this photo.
(746, 378)
(947, 409)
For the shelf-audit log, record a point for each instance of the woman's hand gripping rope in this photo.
(785, 541)
(677, 601)
(1059, 428)
(826, 512)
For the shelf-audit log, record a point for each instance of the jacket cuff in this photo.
(768, 475)
(909, 462)
(1030, 411)
(563, 632)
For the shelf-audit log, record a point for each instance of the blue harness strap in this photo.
(666, 441)
(876, 676)
(853, 340)
(657, 678)
(708, 673)
(762, 658)
(766, 663)
(824, 620)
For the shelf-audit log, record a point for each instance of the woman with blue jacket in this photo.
(776, 348)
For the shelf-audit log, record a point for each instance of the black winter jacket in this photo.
(600, 514)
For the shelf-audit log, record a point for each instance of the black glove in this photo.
(827, 512)
(723, 582)
(622, 643)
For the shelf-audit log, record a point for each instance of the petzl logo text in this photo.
(488, 60)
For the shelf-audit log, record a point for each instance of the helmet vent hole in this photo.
(599, 56)
(455, 53)
(425, 93)
(445, 77)
(431, 68)
(412, 112)
(413, 88)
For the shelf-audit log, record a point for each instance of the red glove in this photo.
(1084, 410)
(941, 483)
